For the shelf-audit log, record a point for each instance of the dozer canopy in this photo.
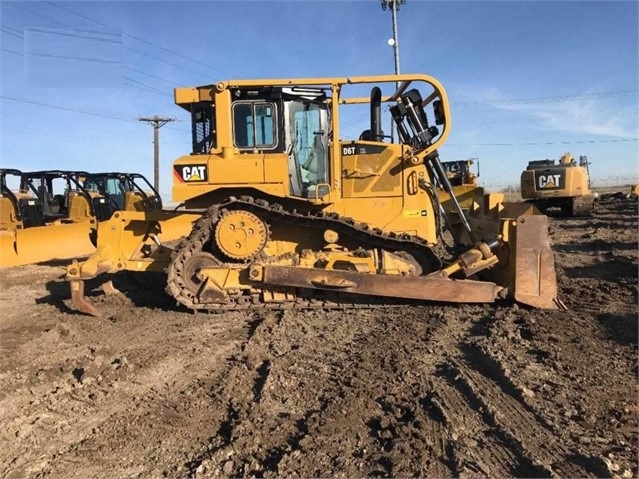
(124, 191)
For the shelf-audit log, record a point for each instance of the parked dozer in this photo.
(38, 225)
(559, 189)
(283, 211)
(464, 182)
(68, 205)
(124, 191)
(620, 195)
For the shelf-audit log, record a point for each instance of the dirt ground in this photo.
(152, 390)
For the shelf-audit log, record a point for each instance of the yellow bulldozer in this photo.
(123, 191)
(561, 188)
(54, 214)
(47, 216)
(283, 211)
(463, 179)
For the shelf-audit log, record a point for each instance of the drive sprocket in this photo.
(240, 234)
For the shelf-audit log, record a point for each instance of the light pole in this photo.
(393, 6)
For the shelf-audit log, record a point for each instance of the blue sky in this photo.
(526, 80)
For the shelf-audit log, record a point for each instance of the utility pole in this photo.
(157, 122)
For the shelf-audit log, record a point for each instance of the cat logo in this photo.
(549, 181)
(190, 173)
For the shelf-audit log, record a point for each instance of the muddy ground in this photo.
(152, 390)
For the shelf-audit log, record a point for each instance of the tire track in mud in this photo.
(469, 434)
(394, 399)
(525, 436)
(324, 394)
(90, 400)
(379, 396)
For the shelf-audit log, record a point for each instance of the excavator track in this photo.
(178, 278)
(583, 205)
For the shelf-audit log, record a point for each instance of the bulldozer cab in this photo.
(124, 191)
(314, 140)
(306, 142)
(20, 206)
(65, 199)
(460, 172)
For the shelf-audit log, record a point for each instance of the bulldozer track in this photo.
(368, 237)
(523, 436)
(466, 425)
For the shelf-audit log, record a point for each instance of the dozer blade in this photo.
(45, 243)
(535, 278)
(8, 253)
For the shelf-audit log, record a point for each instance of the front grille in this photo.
(31, 212)
(101, 209)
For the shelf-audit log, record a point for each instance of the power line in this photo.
(79, 30)
(550, 99)
(12, 5)
(160, 92)
(544, 143)
(63, 57)
(178, 54)
(14, 29)
(2, 28)
(72, 35)
(11, 51)
(143, 40)
(164, 61)
(148, 90)
(83, 137)
(76, 13)
(109, 115)
(152, 76)
(98, 113)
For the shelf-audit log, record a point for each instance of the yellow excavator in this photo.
(281, 211)
(559, 188)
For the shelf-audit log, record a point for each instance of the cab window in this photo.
(254, 125)
(203, 127)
